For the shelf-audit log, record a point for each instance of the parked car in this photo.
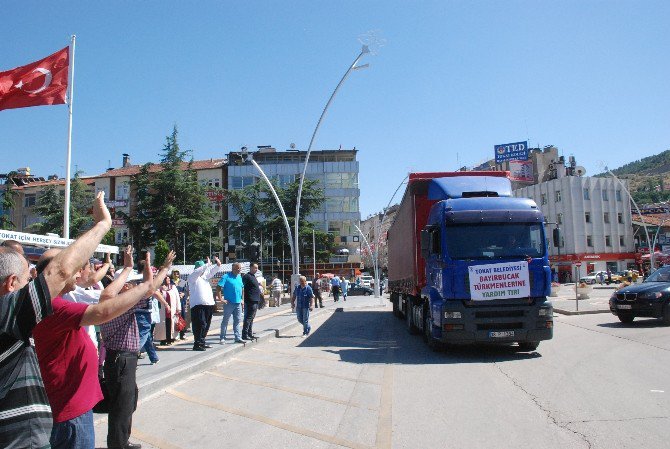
(650, 298)
(359, 290)
(594, 278)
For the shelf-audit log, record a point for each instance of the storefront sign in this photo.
(215, 196)
(116, 203)
(45, 240)
(499, 281)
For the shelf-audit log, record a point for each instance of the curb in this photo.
(581, 312)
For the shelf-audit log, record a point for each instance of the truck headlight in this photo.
(452, 314)
(546, 312)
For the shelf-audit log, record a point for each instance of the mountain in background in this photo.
(648, 178)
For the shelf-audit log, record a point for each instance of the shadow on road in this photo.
(378, 337)
(639, 322)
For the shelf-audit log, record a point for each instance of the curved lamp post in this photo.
(353, 66)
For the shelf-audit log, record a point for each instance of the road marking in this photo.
(154, 441)
(657, 391)
(290, 390)
(269, 421)
(385, 423)
(290, 368)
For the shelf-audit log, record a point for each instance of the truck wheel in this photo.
(626, 317)
(428, 334)
(411, 328)
(527, 346)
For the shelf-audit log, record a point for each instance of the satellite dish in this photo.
(580, 171)
(292, 146)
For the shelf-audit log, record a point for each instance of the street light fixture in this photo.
(364, 50)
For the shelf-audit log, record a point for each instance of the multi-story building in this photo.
(115, 183)
(377, 237)
(594, 216)
(337, 174)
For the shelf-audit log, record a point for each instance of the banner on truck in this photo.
(499, 281)
(521, 171)
(517, 151)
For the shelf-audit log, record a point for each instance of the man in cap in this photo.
(201, 300)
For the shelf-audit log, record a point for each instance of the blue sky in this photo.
(453, 80)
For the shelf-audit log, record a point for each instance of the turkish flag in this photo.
(39, 83)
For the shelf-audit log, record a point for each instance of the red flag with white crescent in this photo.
(39, 83)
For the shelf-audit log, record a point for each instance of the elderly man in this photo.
(25, 414)
(303, 301)
(201, 300)
(232, 286)
(252, 296)
(122, 343)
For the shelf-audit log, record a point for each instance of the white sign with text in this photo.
(499, 281)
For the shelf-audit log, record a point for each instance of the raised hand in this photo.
(128, 257)
(169, 259)
(147, 274)
(100, 211)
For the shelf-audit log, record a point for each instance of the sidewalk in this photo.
(597, 302)
(179, 361)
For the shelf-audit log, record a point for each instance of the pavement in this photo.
(597, 301)
(178, 361)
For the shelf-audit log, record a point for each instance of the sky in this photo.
(453, 79)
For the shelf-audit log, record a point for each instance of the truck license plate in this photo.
(502, 334)
(624, 306)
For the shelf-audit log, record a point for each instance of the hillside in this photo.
(648, 178)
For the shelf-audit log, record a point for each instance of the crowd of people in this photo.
(71, 324)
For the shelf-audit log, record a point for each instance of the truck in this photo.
(468, 262)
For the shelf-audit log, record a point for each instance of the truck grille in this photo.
(499, 314)
(499, 326)
(626, 296)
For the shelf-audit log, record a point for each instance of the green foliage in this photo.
(51, 204)
(259, 213)
(171, 203)
(160, 252)
(7, 203)
(656, 164)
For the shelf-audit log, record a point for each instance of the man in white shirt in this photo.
(277, 288)
(201, 300)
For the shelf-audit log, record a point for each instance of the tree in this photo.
(161, 251)
(7, 203)
(51, 204)
(255, 204)
(171, 203)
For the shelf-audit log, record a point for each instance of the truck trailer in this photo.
(468, 262)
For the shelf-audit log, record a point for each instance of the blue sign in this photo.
(511, 152)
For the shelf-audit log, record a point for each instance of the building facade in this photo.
(336, 172)
(594, 217)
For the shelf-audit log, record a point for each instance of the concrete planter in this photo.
(554, 290)
(583, 292)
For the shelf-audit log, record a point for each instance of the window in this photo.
(621, 241)
(618, 195)
(122, 190)
(619, 217)
(435, 241)
(587, 196)
(544, 198)
(239, 182)
(605, 198)
(29, 200)
(121, 236)
(557, 195)
(559, 219)
(608, 240)
(587, 217)
(214, 182)
(606, 217)
(589, 241)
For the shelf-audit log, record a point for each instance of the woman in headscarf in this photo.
(166, 330)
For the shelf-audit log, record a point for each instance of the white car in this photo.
(594, 277)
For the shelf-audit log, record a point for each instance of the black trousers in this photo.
(250, 309)
(318, 300)
(120, 368)
(201, 318)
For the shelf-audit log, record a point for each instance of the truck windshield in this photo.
(495, 240)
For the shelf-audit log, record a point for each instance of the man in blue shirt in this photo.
(303, 300)
(335, 283)
(232, 286)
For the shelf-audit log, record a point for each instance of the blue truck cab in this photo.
(487, 275)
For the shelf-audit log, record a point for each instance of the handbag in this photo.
(180, 324)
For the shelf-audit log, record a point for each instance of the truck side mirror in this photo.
(425, 243)
(557, 237)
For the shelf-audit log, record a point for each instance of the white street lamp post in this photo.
(353, 66)
(374, 267)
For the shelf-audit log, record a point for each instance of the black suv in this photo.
(649, 299)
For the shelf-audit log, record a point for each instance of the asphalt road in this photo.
(361, 381)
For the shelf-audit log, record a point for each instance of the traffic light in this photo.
(557, 237)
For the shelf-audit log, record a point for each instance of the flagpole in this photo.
(66, 211)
